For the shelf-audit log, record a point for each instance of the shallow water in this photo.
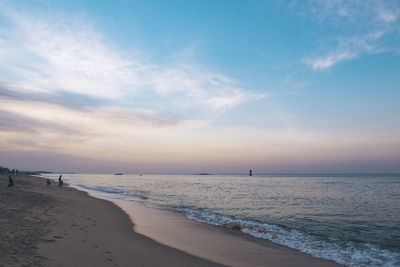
(351, 219)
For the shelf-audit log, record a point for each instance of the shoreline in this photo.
(218, 244)
(79, 229)
(207, 241)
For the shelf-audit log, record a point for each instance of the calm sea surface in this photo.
(351, 219)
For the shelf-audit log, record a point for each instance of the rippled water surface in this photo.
(352, 219)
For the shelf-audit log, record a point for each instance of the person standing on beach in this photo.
(48, 183)
(10, 182)
(60, 181)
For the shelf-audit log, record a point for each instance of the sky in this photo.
(200, 86)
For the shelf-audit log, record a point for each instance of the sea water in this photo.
(351, 219)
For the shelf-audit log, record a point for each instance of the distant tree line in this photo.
(4, 170)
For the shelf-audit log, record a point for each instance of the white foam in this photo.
(347, 253)
(110, 195)
(102, 188)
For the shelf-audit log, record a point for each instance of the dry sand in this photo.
(54, 226)
(43, 226)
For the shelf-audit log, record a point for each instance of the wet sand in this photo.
(43, 226)
(218, 244)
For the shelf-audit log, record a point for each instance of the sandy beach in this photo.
(43, 226)
(54, 226)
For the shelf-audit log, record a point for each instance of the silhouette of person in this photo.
(60, 181)
(250, 173)
(48, 182)
(10, 182)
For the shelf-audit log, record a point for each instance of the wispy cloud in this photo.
(65, 88)
(86, 131)
(87, 120)
(339, 11)
(49, 56)
(330, 60)
(348, 48)
(353, 28)
(12, 122)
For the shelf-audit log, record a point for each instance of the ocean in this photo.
(353, 219)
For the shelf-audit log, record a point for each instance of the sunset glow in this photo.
(282, 87)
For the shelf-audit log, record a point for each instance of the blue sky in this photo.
(183, 86)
